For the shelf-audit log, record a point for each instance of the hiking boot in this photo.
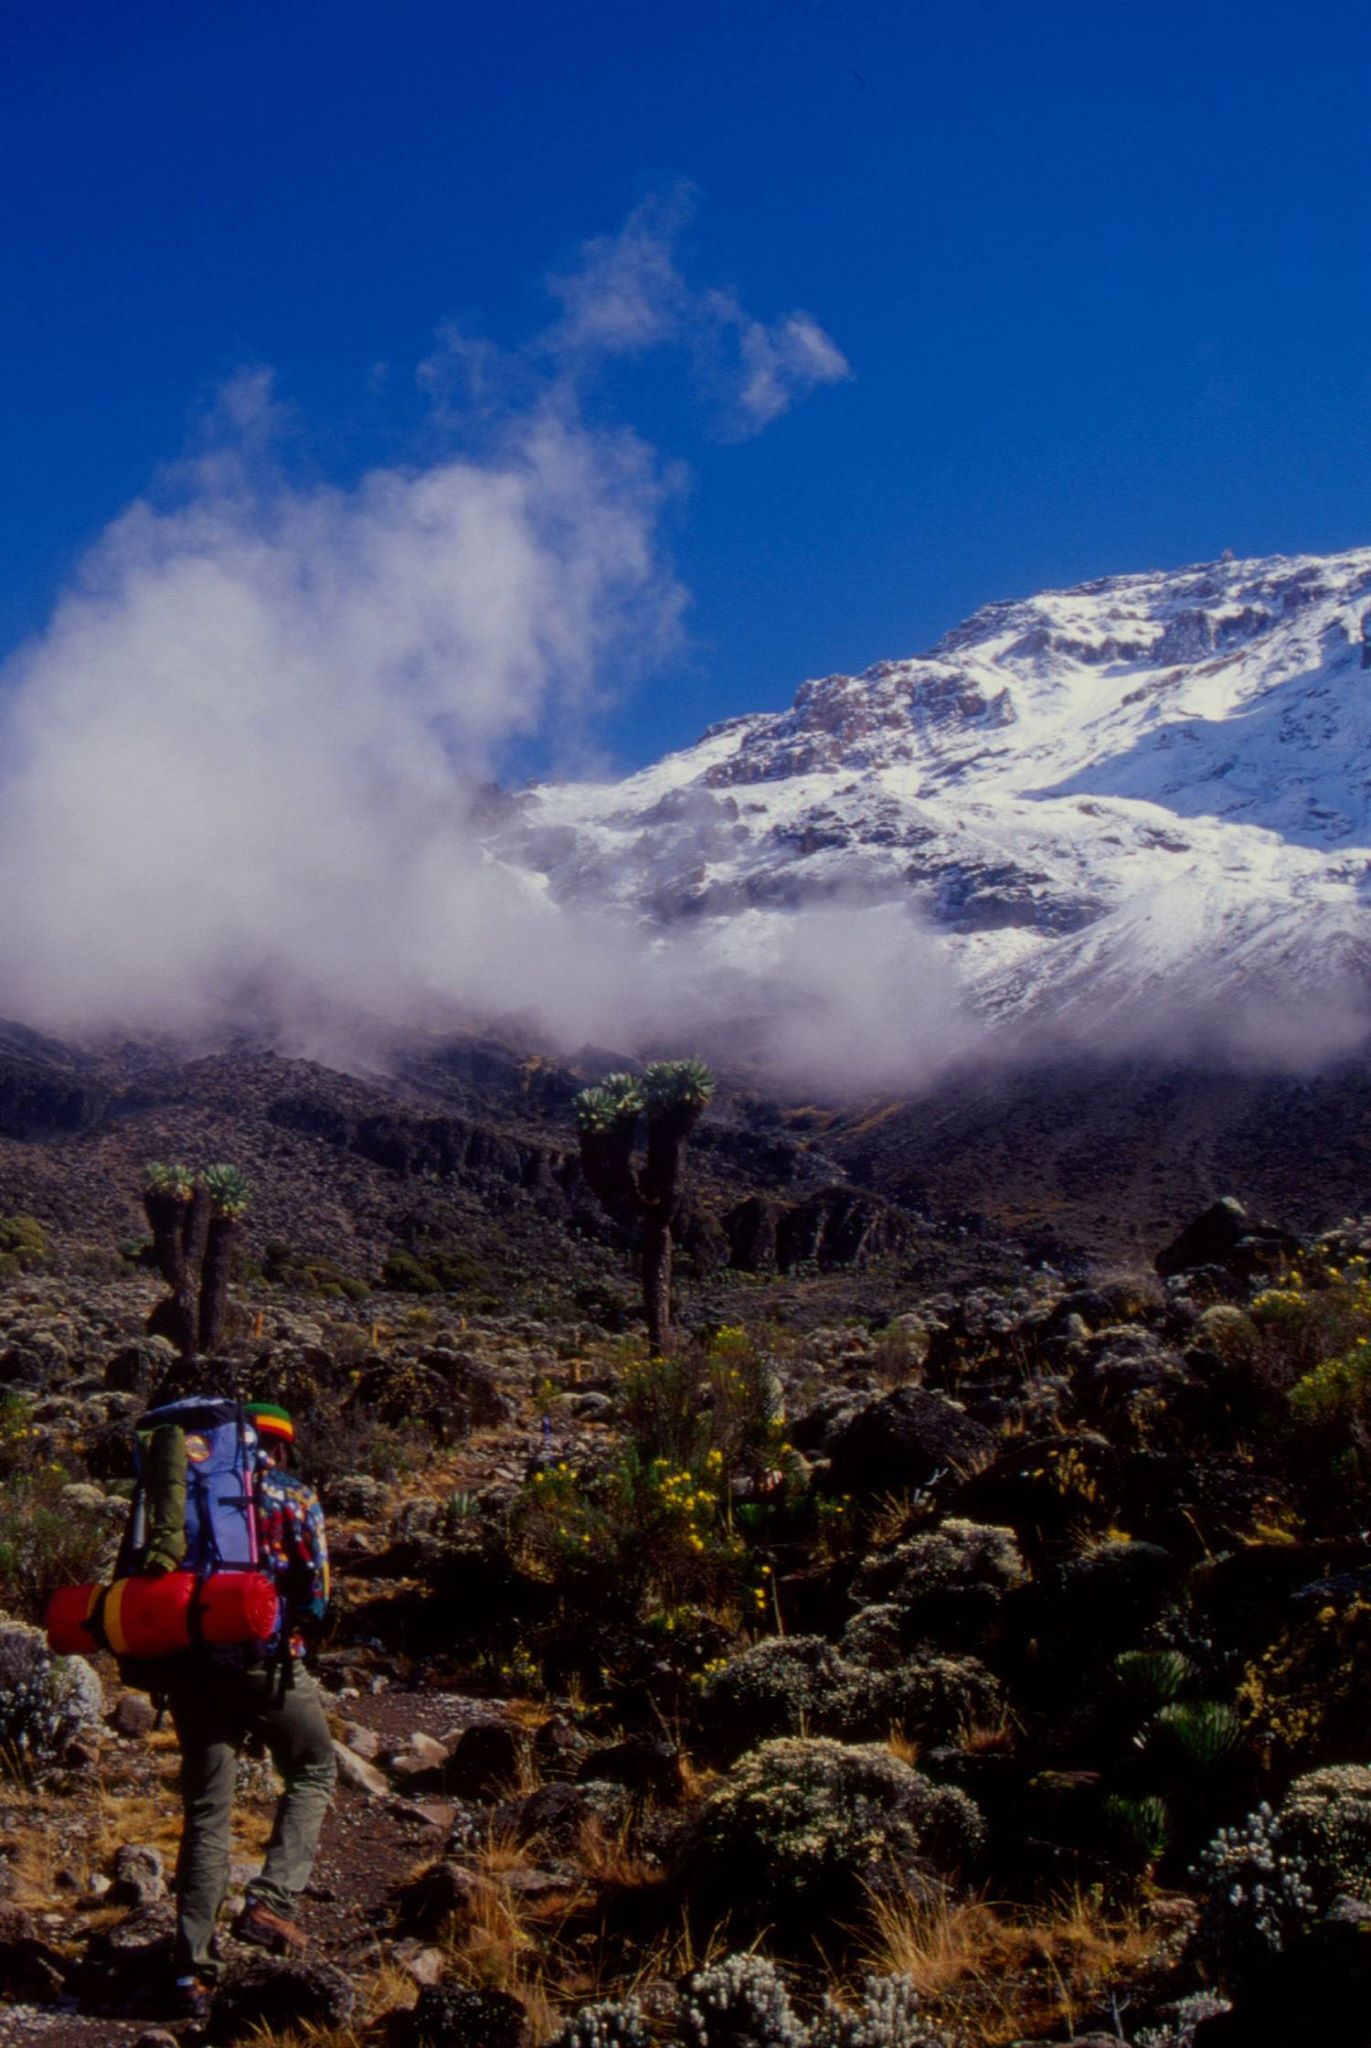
(260, 1927)
(192, 1998)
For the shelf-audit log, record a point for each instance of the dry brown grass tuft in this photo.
(995, 1976)
(607, 1857)
(895, 1516)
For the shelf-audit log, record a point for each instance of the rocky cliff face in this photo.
(1151, 790)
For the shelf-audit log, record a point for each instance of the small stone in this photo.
(424, 1965)
(363, 1742)
(156, 2037)
(559, 1747)
(362, 1776)
(424, 1813)
(133, 1716)
(534, 1885)
(427, 1748)
(415, 1772)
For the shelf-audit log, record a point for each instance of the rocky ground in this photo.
(947, 1649)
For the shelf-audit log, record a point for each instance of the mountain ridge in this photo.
(1089, 799)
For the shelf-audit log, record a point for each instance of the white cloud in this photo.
(628, 295)
(784, 363)
(237, 770)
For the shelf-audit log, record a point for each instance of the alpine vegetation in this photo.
(45, 1701)
(671, 1096)
(194, 1219)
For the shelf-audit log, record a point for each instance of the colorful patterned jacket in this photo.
(293, 1546)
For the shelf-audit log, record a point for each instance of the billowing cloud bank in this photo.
(242, 766)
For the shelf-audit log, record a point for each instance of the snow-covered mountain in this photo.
(1151, 788)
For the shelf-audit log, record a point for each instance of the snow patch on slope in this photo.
(1141, 806)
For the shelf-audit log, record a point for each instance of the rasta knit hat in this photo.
(272, 1424)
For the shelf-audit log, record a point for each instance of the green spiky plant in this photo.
(1193, 1736)
(193, 1218)
(671, 1096)
(1141, 1828)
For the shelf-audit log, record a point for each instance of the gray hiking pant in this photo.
(214, 1719)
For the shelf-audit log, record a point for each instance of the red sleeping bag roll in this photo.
(147, 1617)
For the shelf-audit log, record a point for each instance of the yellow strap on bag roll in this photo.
(114, 1632)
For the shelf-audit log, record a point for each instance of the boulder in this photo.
(275, 1993)
(124, 1962)
(29, 1969)
(557, 1815)
(456, 2016)
(356, 1771)
(558, 1748)
(1225, 1235)
(905, 1440)
(487, 1761)
(134, 1716)
(429, 1904)
(649, 1770)
(139, 1878)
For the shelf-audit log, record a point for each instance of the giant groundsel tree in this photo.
(670, 1097)
(194, 1218)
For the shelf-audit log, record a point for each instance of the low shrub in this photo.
(802, 1685)
(1257, 1896)
(888, 2017)
(805, 1830)
(23, 1245)
(45, 1702)
(45, 1540)
(741, 2002)
(1307, 1698)
(784, 1685)
(948, 1581)
(713, 1404)
(611, 2023)
(1325, 1822)
(655, 1533)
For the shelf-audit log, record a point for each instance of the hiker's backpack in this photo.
(193, 1501)
(193, 1514)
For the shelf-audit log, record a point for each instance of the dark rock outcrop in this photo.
(1225, 1235)
(903, 1441)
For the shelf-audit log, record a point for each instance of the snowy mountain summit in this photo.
(1152, 792)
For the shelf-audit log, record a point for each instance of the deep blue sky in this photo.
(1100, 271)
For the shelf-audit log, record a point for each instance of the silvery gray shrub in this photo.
(612, 2023)
(45, 1701)
(741, 2002)
(888, 2017)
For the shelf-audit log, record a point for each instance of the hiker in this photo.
(219, 1705)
